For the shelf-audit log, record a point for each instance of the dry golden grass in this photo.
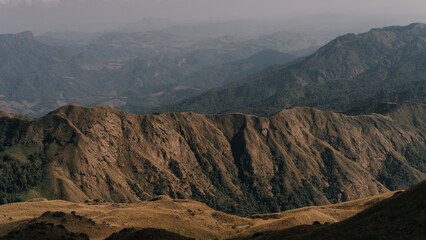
(185, 217)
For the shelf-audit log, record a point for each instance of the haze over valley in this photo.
(184, 119)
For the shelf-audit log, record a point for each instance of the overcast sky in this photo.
(99, 15)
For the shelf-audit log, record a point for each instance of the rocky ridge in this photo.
(237, 163)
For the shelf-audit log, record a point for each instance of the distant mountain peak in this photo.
(27, 35)
(13, 38)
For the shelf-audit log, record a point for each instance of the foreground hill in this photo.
(386, 65)
(402, 216)
(236, 163)
(158, 217)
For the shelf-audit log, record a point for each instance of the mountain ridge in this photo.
(236, 163)
(7, 38)
(384, 65)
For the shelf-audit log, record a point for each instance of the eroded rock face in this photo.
(236, 163)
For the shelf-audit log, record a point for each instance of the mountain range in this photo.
(154, 71)
(174, 79)
(131, 71)
(384, 65)
(298, 147)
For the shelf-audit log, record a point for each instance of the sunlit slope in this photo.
(188, 218)
(236, 163)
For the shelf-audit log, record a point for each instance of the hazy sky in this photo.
(98, 15)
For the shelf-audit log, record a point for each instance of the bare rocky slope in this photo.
(237, 163)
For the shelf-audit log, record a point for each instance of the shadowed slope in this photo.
(402, 216)
(146, 234)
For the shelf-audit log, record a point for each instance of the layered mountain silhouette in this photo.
(131, 71)
(382, 65)
(236, 163)
(385, 65)
(163, 80)
(36, 78)
(353, 126)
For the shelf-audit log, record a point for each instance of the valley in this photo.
(132, 71)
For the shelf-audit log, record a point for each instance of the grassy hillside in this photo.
(236, 163)
(98, 220)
